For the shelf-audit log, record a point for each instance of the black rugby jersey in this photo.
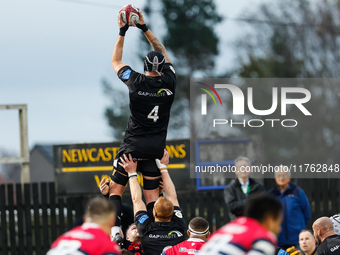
(150, 102)
(329, 246)
(156, 236)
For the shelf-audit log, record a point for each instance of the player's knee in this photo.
(150, 184)
(120, 178)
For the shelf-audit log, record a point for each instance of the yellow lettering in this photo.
(89, 153)
(107, 153)
(169, 151)
(181, 150)
(79, 155)
(114, 151)
(66, 156)
(82, 155)
(96, 177)
(97, 180)
(101, 155)
(174, 151)
(74, 156)
(178, 152)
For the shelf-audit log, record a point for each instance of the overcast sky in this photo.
(53, 55)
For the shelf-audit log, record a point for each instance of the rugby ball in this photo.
(129, 14)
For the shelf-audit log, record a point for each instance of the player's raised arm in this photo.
(168, 185)
(117, 54)
(136, 193)
(154, 42)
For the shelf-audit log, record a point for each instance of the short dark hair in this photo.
(130, 226)
(199, 224)
(307, 230)
(261, 206)
(99, 207)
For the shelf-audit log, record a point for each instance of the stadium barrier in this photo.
(32, 217)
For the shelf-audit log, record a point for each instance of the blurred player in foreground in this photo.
(198, 232)
(252, 234)
(151, 95)
(168, 226)
(93, 236)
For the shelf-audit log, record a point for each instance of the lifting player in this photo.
(167, 226)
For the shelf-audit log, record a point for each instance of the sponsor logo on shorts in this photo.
(172, 69)
(139, 159)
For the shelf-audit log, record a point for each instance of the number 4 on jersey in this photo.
(154, 114)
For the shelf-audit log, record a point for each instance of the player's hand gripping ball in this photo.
(129, 14)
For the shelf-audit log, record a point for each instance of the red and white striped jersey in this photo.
(239, 237)
(88, 239)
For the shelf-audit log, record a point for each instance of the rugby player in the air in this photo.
(151, 95)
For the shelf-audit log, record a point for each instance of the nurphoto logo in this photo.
(238, 106)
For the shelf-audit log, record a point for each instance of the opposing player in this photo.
(198, 232)
(151, 95)
(93, 236)
(252, 234)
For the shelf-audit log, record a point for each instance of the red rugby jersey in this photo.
(88, 239)
(190, 246)
(239, 237)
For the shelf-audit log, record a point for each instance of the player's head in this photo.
(154, 62)
(266, 209)
(198, 228)
(132, 234)
(307, 241)
(101, 211)
(163, 209)
(322, 228)
(242, 165)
